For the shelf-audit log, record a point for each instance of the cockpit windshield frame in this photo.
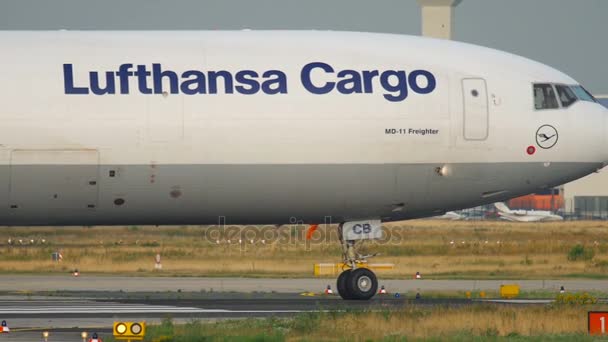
(565, 95)
(558, 95)
(549, 96)
(582, 93)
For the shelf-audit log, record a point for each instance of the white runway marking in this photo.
(42, 308)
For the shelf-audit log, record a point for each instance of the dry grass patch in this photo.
(446, 322)
(440, 249)
(465, 323)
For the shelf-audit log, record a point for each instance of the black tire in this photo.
(362, 284)
(341, 285)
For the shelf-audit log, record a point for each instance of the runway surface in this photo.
(66, 282)
(66, 305)
(24, 313)
(67, 317)
(24, 308)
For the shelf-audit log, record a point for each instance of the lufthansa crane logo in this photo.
(546, 136)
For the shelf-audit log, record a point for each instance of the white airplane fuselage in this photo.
(531, 218)
(268, 127)
(508, 214)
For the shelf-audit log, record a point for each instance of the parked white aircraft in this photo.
(525, 215)
(450, 215)
(104, 128)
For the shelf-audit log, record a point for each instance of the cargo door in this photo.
(475, 99)
(53, 179)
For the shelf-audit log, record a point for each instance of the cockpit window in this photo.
(566, 95)
(544, 96)
(582, 93)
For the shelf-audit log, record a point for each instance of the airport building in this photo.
(588, 196)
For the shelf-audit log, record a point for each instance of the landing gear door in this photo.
(475, 101)
(362, 230)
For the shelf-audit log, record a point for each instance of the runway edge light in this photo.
(129, 330)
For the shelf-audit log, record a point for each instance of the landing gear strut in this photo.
(357, 282)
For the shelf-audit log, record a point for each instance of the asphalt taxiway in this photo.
(38, 313)
(67, 305)
(37, 283)
(66, 317)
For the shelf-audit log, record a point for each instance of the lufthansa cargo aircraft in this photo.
(108, 128)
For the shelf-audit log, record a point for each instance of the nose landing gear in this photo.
(358, 283)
